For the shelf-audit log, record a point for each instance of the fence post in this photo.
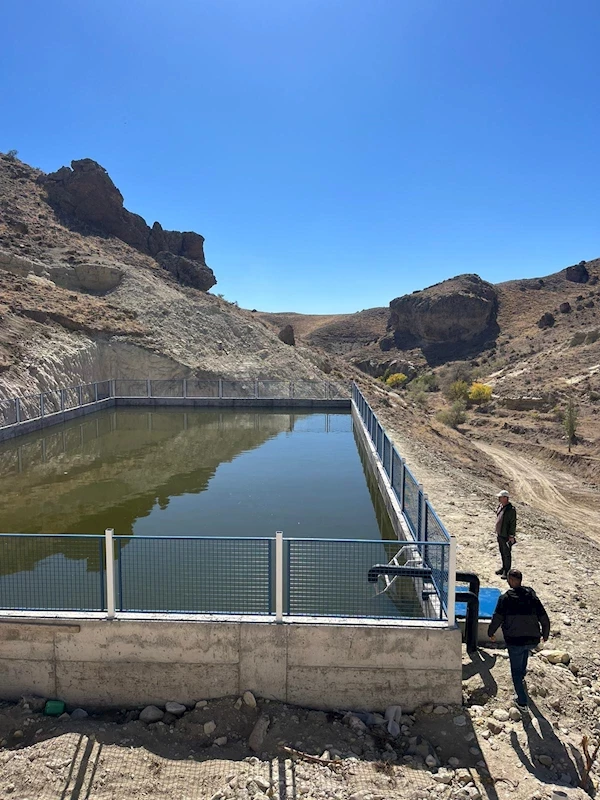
(279, 576)
(110, 573)
(95, 393)
(452, 583)
(291, 388)
(420, 510)
(256, 389)
(80, 395)
(41, 404)
(112, 388)
(185, 387)
(17, 409)
(402, 482)
(220, 387)
(62, 399)
(148, 388)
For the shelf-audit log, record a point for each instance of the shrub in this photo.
(455, 415)
(480, 393)
(396, 380)
(425, 383)
(592, 336)
(458, 390)
(12, 154)
(570, 422)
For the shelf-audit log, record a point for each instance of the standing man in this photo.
(506, 528)
(523, 619)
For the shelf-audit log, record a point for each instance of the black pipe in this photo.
(404, 572)
(472, 618)
(471, 578)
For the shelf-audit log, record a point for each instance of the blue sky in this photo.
(334, 153)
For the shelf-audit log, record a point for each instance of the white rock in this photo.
(151, 714)
(556, 656)
(256, 738)
(221, 741)
(249, 699)
(501, 715)
(440, 710)
(210, 727)
(238, 704)
(515, 714)
(201, 704)
(175, 708)
(443, 776)
(476, 711)
(431, 761)
(393, 712)
(453, 762)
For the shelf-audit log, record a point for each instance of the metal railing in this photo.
(280, 578)
(425, 526)
(36, 406)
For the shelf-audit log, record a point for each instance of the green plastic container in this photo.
(54, 708)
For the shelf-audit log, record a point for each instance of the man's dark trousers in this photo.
(505, 554)
(518, 655)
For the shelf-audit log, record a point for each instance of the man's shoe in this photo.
(503, 576)
(499, 572)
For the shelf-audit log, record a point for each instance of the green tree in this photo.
(570, 422)
(455, 415)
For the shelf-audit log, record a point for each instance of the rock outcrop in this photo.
(578, 273)
(458, 311)
(85, 193)
(286, 335)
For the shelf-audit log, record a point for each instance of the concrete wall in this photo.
(125, 663)
(32, 425)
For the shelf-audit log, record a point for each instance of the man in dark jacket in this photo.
(506, 529)
(524, 621)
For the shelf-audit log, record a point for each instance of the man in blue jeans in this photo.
(523, 619)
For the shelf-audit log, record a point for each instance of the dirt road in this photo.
(539, 486)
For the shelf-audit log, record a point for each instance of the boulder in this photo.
(249, 699)
(287, 335)
(79, 713)
(546, 321)
(565, 308)
(578, 273)
(151, 714)
(175, 708)
(461, 309)
(556, 656)
(259, 731)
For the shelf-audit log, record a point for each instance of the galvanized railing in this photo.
(423, 523)
(275, 577)
(23, 408)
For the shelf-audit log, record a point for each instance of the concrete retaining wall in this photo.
(125, 663)
(30, 426)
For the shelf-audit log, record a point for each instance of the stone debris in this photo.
(256, 738)
(79, 713)
(210, 727)
(151, 714)
(460, 721)
(249, 699)
(501, 715)
(177, 709)
(556, 656)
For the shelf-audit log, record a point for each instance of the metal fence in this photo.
(424, 524)
(275, 577)
(28, 407)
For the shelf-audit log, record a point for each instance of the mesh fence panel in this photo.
(273, 389)
(411, 501)
(51, 573)
(310, 390)
(104, 390)
(167, 388)
(71, 396)
(437, 557)
(239, 389)
(88, 394)
(52, 403)
(129, 388)
(329, 578)
(196, 575)
(30, 407)
(396, 473)
(197, 387)
(8, 412)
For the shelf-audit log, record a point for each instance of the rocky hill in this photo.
(88, 291)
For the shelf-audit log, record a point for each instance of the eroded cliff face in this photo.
(85, 194)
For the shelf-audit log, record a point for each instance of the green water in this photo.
(157, 477)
